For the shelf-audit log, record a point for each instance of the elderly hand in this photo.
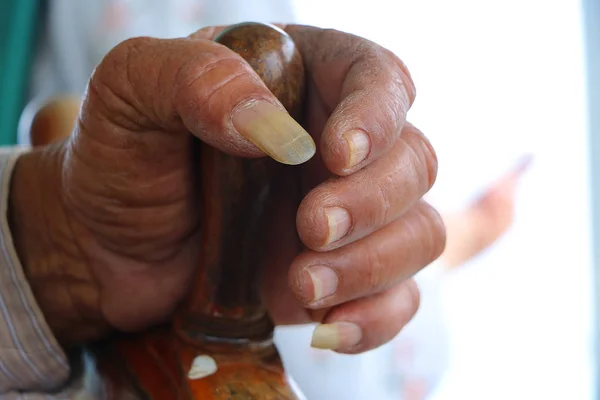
(107, 225)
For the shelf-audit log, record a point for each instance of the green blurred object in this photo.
(18, 31)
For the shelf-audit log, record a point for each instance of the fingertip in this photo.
(274, 131)
(310, 220)
(338, 336)
(301, 283)
(378, 318)
(312, 280)
(431, 160)
(413, 295)
(358, 145)
(349, 144)
(346, 153)
(322, 227)
(437, 229)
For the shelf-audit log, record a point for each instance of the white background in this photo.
(496, 80)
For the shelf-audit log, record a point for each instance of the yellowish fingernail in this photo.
(324, 281)
(336, 336)
(359, 147)
(275, 132)
(338, 221)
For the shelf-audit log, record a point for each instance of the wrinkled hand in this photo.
(107, 222)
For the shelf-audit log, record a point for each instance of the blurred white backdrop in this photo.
(497, 80)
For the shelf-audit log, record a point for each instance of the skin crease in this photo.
(106, 222)
(469, 231)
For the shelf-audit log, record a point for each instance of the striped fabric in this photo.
(77, 35)
(30, 358)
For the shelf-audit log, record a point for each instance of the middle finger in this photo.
(343, 210)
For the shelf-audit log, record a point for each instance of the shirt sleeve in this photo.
(31, 360)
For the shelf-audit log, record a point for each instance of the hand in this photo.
(480, 225)
(106, 223)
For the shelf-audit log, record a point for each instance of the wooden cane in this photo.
(220, 344)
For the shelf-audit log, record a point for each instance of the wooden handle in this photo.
(220, 345)
(236, 194)
(225, 299)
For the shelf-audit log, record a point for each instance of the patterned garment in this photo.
(30, 357)
(32, 364)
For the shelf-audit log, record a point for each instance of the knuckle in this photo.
(413, 295)
(312, 229)
(342, 45)
(205, 88)
(119, 57)
(402, 76)
(426, 157)
(404, 90)
(388, 116)
(434, 231)
(387, 76)
(431, 161)
(194, 70)
(111, 88)
(385, 202)
(206, 79)
(395, 77)
(376, 272)
(133, 45)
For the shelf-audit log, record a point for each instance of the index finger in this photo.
(367, 89)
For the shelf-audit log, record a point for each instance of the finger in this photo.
(365, 324)
(367, 88)
(198, 86)
(346, 209)
(371, 265)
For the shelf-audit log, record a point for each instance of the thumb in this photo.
(202, 87)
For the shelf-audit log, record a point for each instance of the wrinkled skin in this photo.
(106, 222)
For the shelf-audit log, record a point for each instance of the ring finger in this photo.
(343, 210)
(371, 265)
